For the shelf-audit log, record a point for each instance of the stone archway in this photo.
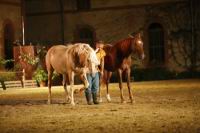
(156, 44)
(85, 34)
(8, 39)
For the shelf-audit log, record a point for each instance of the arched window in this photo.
(8, 44)
(86, 35)
(156, 44)
(83, 4)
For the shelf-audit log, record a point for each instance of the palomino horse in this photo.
(118, 58)
(68, 61)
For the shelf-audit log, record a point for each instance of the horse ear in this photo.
(140, 31)
(130, 35)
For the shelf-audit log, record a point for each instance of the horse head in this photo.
(87, 60)
(137, 45)
(81, 61)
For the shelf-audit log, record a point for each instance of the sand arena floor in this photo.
(160, 107)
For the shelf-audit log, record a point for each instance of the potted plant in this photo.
(40, 76)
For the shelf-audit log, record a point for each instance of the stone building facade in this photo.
(167, 26)
(10, 26)
(112, 20)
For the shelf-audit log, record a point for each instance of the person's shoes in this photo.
(94, 96)
(88, 98)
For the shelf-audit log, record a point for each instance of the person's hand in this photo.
(93, 75)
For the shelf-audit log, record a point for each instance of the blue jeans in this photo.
(93, 83)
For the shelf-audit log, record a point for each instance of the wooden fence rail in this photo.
(21, 83)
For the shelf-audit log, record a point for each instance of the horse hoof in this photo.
(100, 100)
(108, 98)
(72, 103)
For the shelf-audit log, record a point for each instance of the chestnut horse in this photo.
(68, 61)
(118, 58)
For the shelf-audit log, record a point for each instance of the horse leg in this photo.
(101, 83)
(85, 80)
(128, 84)
(50, 72)
(120, 86)
(67, 98)
(108, 76)
(71, 81)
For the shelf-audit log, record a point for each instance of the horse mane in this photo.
(123, 46)
(124, 41)
(79, 49)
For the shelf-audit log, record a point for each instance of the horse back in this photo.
(57, 59)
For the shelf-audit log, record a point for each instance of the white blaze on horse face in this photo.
(139, 42)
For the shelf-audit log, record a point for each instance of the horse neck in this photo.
(124, 48)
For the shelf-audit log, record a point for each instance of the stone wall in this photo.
(10, 14)
(111, 20)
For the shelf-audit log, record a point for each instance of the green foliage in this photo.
(159, 73)
(55, 75)
(40, 75)
(7, 76)
(188, 74)
(152, 74)
(29, 59)
(41, 52)
(3, 62)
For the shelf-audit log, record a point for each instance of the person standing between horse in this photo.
(94, 80)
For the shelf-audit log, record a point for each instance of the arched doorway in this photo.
(86, 35)
(156, 44)
(8, 44)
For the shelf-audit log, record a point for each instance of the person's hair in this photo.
(99, 44)
(99, 41)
